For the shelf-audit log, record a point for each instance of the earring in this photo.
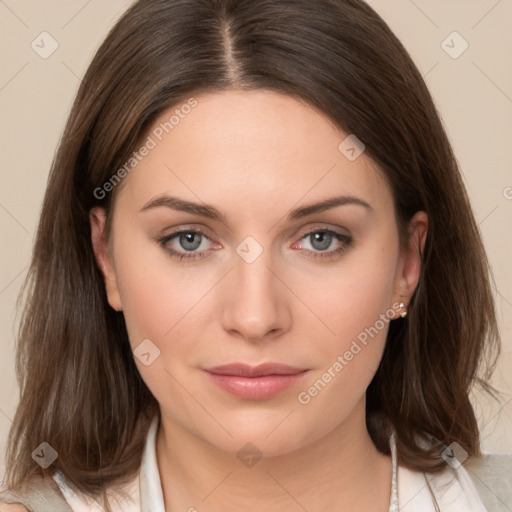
(403, 314)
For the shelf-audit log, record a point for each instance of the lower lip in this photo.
(256, 388)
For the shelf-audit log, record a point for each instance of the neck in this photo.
(341, 471)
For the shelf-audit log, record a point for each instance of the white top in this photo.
(453, 488)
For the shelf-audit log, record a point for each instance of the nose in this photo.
(255, 303)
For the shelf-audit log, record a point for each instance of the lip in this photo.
(260, 370)
(255, 382)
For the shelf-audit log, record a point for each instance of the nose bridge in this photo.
(255, 306)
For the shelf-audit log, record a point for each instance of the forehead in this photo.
(261, 148)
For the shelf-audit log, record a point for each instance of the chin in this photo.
(267, 434)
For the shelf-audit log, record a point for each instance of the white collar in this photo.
(151, 496)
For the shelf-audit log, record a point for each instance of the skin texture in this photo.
(255, 156)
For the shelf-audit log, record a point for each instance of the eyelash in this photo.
(326, 255)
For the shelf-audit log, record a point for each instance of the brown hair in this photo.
(80, 389)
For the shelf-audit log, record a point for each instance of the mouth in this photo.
(259, 382)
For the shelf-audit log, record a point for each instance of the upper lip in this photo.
(246, 370)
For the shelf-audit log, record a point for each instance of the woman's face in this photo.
(258, 275)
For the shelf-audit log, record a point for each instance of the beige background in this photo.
(473, 93)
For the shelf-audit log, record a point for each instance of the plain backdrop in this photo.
(468, 73)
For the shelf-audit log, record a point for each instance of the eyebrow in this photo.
(210, 212)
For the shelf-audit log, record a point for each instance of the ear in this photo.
(410, 261)
(97, 218)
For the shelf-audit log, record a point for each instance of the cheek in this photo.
(156, 293)
(146, 301)
(166, 303)
(352, 297)
(158, 305)
(354, 306)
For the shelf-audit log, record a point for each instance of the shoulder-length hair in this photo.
(81, 391)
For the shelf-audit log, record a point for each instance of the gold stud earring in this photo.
(403, 314)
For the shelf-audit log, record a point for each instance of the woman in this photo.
(257, 282)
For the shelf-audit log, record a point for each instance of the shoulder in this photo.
(477, 485)
(31, 494)
(12, 507)
(450, 489)
(492, 477)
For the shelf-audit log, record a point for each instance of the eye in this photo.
(186, 244)
(320, 240)
(192, 244)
